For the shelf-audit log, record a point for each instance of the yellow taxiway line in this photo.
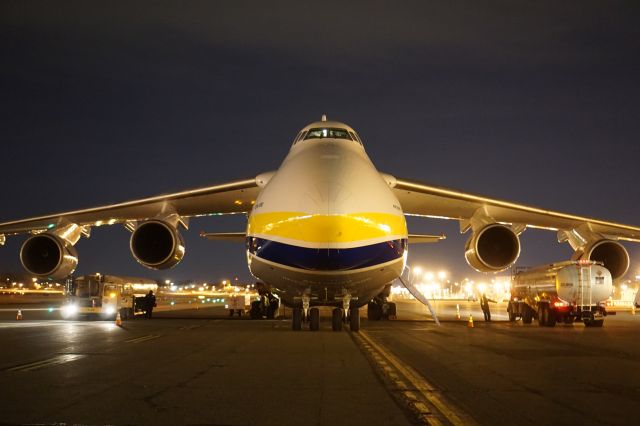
(419, 384)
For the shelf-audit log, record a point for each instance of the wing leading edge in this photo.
(430, 201)
(228, 198)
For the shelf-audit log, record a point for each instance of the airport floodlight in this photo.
(442, 275)
(482, 287)
(624, 287)
(428, 276)
(167, 282)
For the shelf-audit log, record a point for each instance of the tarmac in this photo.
(198, 366)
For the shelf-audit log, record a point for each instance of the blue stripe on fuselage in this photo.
(326, 259)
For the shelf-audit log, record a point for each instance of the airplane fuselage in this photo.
(326, 224)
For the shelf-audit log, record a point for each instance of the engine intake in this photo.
(48, 255)
(156, 244)
(611, 253)
(492, 248)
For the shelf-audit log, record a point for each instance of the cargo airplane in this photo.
(325, 229)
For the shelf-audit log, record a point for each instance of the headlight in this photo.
(68, 310)
(110, 310)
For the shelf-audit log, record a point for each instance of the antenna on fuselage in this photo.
(324, 117)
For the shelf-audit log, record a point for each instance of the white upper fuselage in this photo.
(326, 223)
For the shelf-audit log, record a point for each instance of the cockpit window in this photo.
(320, 133)
(301, 136)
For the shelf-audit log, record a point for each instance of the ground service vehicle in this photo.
(565, 291)
(104, 296)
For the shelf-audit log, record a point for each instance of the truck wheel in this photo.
(594, 323)
(551, 318)
(527, 315)
(512, 315)
(568, 319)
(543, 314)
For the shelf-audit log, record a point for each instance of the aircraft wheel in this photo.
(354, 319)
(314, 319)
(391, 311)
(296, 319)
(336, 319)
(374, 311)
(527, 315)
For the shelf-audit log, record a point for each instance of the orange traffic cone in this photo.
(633, 309)
(19, 315)
(457, 311)
(470, 323)
(118, 319)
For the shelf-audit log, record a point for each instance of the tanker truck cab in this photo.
(561, 292)
(104, 296)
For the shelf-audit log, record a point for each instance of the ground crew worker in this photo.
(150, 303)
(484, 304)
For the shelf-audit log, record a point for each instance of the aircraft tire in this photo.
(374, 311)
(336, 319)
(527, 315)
(314, 319)
(392, 311)
(296, 319)
(354, 319)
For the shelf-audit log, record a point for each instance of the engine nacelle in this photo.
(157, 244)
(611, 253)
(492, 248)
(47, 255)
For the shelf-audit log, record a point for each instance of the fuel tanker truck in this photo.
(565, 292)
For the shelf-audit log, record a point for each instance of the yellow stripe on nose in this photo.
(340, 228)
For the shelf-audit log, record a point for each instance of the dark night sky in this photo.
(536, 102)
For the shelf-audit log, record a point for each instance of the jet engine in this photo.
(157, 244)
(48, 255)
(611, 253)
(492, 248)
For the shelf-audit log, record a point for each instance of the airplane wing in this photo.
(431, 201)
(228, 198)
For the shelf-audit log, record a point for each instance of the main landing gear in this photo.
(339, 316)
(381, 309)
